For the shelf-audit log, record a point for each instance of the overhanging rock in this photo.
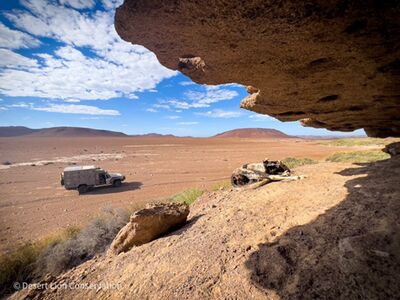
(332, 64)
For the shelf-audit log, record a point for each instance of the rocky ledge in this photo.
(332, 64)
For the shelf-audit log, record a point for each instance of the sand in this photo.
(33, 204)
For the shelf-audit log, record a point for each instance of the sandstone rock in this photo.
(147, 224)
(335, 64)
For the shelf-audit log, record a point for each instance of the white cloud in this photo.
(3, 108)
(212, 94)
(188, 123)
(199, 99)
(77, 109)
(173, 117)
(78, 4)
(219, 113)
(21, 105)
(182, 104)
(111, 4)
(186, 83)
(259, 117)
(152, 110)
(72, 100)
(90, 118)
(14, 39)
(161, 106)
(16, 63)
(95, 62)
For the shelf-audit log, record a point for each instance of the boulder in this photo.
(148, 224)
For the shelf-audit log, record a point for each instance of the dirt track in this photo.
(33, 204)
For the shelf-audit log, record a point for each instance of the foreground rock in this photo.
(334, 235)
(147, 224)
(334, 64)
(393, 149)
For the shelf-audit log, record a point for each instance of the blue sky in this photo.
(62, 64)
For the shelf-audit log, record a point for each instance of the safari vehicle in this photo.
(83, 178)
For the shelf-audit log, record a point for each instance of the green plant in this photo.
(359, 156)
(223, 185)
(188, 196)
(293, 162)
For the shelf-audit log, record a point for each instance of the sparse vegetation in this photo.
(60, 252)
(359, 156)
(351, 142)
(293, 162)
(21, 265)
(223, 185)
(188, 196)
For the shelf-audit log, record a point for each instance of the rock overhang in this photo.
(331, 64)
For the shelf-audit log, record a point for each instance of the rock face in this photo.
(147, 224)
(333, 64)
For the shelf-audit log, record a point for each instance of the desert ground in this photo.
(33, 204)
(333, 235)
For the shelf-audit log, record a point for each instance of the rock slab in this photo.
(148, 224)
(332, 64)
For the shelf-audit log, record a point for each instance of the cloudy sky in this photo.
(63, 64)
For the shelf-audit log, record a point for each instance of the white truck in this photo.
(83, 178)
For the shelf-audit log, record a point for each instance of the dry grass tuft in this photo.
(188, 196)
(293, 162)
(359, 156)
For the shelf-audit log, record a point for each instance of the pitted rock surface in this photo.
(332, 64)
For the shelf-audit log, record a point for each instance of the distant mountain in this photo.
(10, 131)
(264, 133)
(13, 131)
(155, 135)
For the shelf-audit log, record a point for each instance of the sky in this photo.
(63, 64)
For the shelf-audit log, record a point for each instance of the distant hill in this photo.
(13, 131)
(156, 135)
(10, 131)
(265, 133)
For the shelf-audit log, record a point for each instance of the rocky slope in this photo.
(334, 235)
(253, 133)
(333, 64)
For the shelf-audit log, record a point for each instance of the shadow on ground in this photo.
(126, 186)
(350, 252)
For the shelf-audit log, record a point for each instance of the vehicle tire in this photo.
(117, 183)
(82, 189)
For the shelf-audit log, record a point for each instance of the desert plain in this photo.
(33, 204)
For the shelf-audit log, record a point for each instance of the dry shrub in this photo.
(91, 240)
(60, 252)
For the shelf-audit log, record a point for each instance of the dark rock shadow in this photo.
(352, 251)
(126, 186)
(190, 222)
